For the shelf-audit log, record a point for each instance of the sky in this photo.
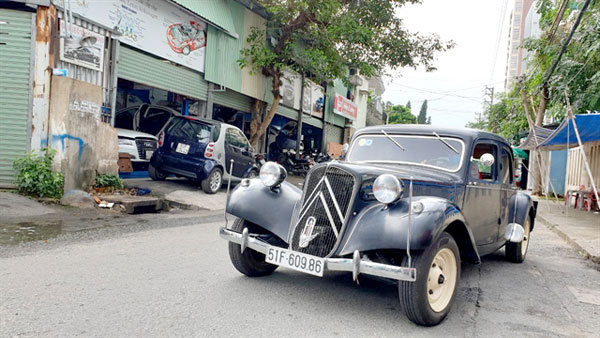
(455, 91)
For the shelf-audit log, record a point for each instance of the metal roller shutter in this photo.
(333, 133)
(152, 71)
(232, 99)
(15, 88)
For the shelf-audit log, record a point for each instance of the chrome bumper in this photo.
(355, 265)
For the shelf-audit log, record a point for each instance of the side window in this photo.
(235, 138)
(506, 166)
(478, 170)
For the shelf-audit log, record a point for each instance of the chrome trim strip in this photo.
(488, 187)
(334, 264)
(331, 221)
(335, 202)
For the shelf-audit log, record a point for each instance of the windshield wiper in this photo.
(391, 139)
(446, 143)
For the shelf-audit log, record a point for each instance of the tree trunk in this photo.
(534, 167)
(258, 126)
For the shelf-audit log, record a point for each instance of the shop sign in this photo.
(313, 99)
(157, 27)
(344, 107)
(81, 46)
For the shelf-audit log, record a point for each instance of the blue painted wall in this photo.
(558, 171)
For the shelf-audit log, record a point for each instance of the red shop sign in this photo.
(343, 106)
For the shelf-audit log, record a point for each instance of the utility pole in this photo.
(489, 93)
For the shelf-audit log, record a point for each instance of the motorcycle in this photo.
(294, 166)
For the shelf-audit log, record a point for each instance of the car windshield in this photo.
(418, 150)
(188, 129)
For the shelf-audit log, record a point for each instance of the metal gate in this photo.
(16, 46)
(154, 72)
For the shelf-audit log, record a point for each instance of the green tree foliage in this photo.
(422, 117)
(324, 38)
(35, 176)
(399, 114)
(577, 73)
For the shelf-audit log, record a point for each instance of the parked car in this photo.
(203, 150)
(140, 147)
(410, 203)
(147, 118)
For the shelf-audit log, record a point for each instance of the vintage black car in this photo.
(409, 203)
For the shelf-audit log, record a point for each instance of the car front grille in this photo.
(143, 145)
(326, 203)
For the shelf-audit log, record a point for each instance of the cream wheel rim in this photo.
(525, 242)
(441, 279)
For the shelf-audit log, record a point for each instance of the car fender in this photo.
(519, 207)
(271, 209)
(386, 227)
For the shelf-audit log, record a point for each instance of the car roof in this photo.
(466, 134)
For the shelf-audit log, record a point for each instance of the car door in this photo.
(508, 186)
(154, 119)
(482, 196)
(237, 148)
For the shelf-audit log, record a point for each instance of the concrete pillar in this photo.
(43, 63)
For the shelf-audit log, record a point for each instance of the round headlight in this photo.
(272, 174)
(387, 189)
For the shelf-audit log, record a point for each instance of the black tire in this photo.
(155, 174)
(253, 173)
(251, 263)
(415, 296)
(516, 252)
(208, 185)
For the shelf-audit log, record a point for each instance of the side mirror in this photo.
(487, 159)
(345, 149)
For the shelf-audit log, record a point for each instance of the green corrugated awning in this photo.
(216, 12)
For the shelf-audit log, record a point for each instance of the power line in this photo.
(498, 38)
(566, 43)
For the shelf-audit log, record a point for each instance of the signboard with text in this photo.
(157, 27)
(344, 107)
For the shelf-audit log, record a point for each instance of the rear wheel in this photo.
(428, 300)
(212, 183)
(155, 174)
(516, 252)
(251, 263)
(253, 173)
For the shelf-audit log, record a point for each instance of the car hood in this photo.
(402, 171)
(133, 134)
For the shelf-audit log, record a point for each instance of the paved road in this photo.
(173, 277)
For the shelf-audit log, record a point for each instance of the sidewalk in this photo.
(184, 194)
(578, 227)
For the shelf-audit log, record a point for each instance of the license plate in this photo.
(295, 260)
(149, 153)
(182, 148)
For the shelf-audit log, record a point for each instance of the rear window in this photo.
(193, 130)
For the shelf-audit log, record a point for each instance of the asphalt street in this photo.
(171, 276)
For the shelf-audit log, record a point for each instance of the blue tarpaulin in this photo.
(564, 136)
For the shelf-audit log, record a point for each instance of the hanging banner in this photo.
(344, 107)
(290, 89)
(313, 99)
(82, 47)
(156, 27)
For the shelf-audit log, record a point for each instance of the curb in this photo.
(183, 206)
(556, 229)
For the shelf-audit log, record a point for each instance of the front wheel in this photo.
(251, 263)
(428, 300)
(212, 183)
(516, 252)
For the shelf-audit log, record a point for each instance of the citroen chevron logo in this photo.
(318, 194)
(307, 233)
